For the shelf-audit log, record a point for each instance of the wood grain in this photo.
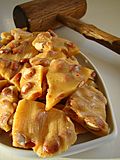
(40, 15)
(91, 32)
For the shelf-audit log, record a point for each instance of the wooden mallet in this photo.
(41, 15)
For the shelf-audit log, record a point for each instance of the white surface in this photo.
(104, 14)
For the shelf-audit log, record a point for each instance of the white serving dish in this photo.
(86, 141)
(107, 64)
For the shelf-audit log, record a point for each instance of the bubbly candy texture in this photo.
(46, 97)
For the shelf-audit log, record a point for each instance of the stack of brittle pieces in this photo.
(46, 97)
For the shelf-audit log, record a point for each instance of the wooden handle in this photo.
(91, 32)
(40, 15)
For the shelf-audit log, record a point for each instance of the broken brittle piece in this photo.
(20, 34)
(8, 104)
(45, 58)
(20, 47)
(47, 132)
(16, 79)
(6, 37)
(8, 68)
(63, 78)
(87, 106)
(31, 82)
(45, 42)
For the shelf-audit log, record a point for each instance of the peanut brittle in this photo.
(45, 58)
(17, 77)
(31, 82)
(88, 107)
(3, 83)
(8, 68)
(20, 47)
(16, 80)
(8, 104)
(6, 37)
(63, 77)
(79, 129)
(47, 42)
(21, 34)
(46, 97)
(48, 133)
